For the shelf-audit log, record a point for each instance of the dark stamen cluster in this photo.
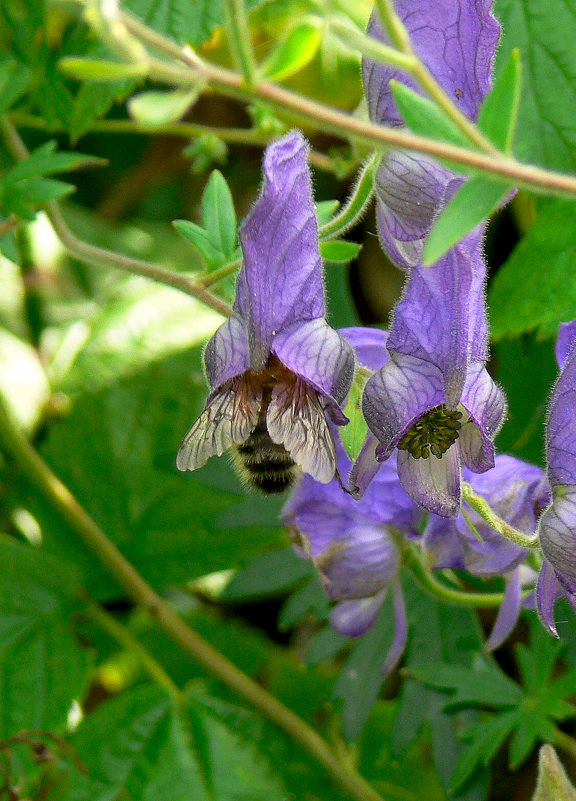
(435, 431)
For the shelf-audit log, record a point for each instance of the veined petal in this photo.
(485, 403)
(564, 341)
(353, 618)
(546, 593)
(319, 355)
(369, 344)
(226, 354)
(508, 612)
(561, 429)
(433, 483)
(280, 281)
(557, 529)
(397, 396)
(457, 42)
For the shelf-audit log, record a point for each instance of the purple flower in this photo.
(557, 526)
(356, 546)
(278, 373)
(433, 400)
(517, 492)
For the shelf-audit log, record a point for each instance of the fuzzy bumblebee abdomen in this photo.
(264, 464)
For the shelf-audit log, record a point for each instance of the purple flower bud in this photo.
(278, 373)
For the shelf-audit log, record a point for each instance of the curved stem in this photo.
(321, 116)
(39, 474)
(219, 274)
(370, 47)
(107, 258)
(239, 38)
(481, 505)
(356, 205)
(128, 641)
(565, 742)
(449, 594)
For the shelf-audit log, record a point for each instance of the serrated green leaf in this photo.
(294, 53)
(524, 295)
(42, 667)
(339, 251)
(160, 108)
(181, 20)
(542, 30)
(219, 216)
(487, 687)
(354, 434)
(531, 727)
(424, 117)
(93, 69)
(14, 80)
(498, 114)
(267, 574)
(473, 202)
(311, 598)
(482, 742)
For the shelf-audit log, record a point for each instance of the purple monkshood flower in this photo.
(433, 400)
(356, 546)
(517, 492)
(557, 526)
(276, 369)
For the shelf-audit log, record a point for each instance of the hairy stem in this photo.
(107, 258)
(356, 205)
(39, 474)
(481, 505)
(239, 38)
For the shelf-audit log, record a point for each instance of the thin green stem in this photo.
(107, 258)
(485, 511)
(370, 47)
(40, 475)
(128, 641)
(440, 590)
(392, 23)
(565, 742)
(357, 203)
(240, 39)
(219, 274)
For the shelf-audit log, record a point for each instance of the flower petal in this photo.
(433, 483)
(508, 612)
(397, 396)
(226, 354)
(321, 357)
(354, 618)
(369, 344)
(564, 341)
(557, 528)
(281, 278)
(400, 630)
(485, 403)
(546, 597)
(561, 429)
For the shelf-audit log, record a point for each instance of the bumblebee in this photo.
(274, 423)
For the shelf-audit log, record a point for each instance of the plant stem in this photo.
(219, 274)
(368, 46)
(449, 594)
(128, 641)
(356, 205)
(565, 742)
(107, 258)
(240, 40)
(485, 511)
(39, 474)
(9, 224)
(319, 115)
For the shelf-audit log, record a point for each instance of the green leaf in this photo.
(486, 687)
(294, 53)
(219, 215)
(498, 115)
(476, 199)
(536, 287)
(42, 667)
(325, 209)
(361, 678)
(542, 31)
(482, 742)
(309, 599)
(425, 118)
(93, 69)
(14, 81)
(160, 108)
(339, 251)
(181, 20)
(200, 239)
(267, 574)
(532, 726)
(354, 434)
(325, 645)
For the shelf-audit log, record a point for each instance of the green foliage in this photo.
(535, 289)
(267, 574)
(354, 434)
(498, 116)
(160, 108)
(425, 118)
(42, 667)
(14, 80)
(339, 251)
(294, 53)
